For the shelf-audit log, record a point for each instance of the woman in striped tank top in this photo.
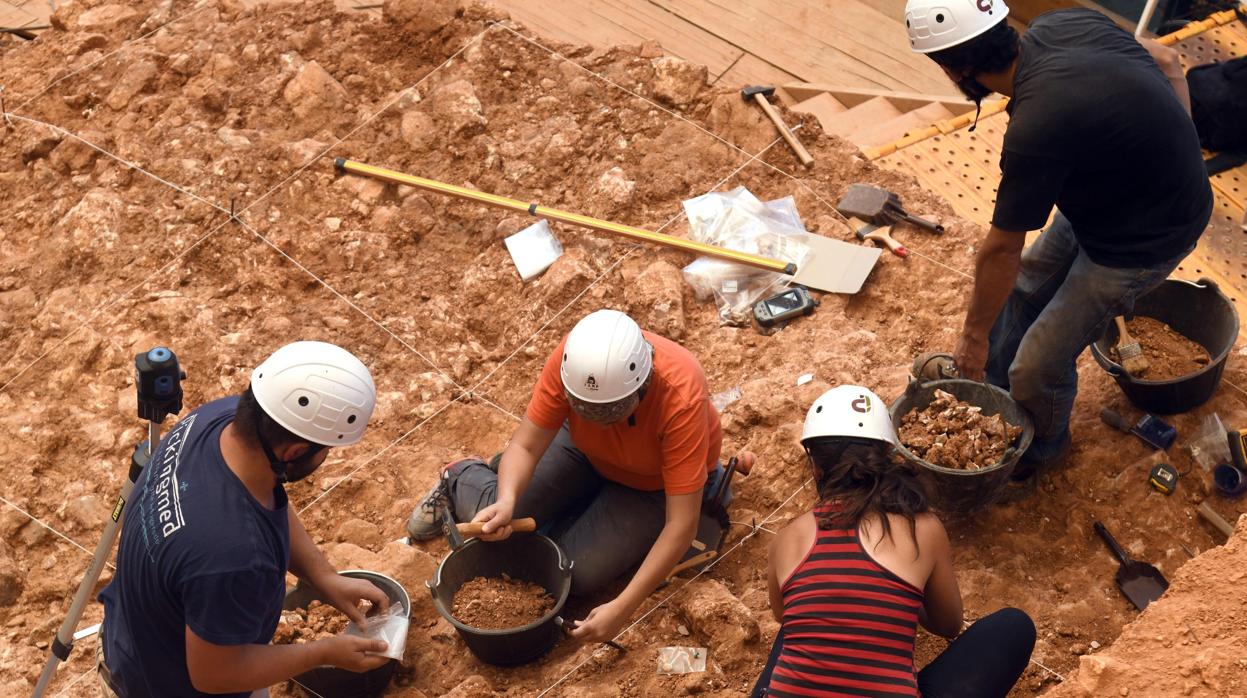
(851, 579)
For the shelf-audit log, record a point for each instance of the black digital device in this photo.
(158, 378)
(784, 306)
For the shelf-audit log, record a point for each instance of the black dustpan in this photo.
(1141, 582)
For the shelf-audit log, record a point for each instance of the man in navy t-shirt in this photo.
(1100, 127)
(208, 538)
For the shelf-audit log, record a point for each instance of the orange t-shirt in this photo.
(674, 438)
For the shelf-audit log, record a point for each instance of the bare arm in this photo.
(995, 271)
(773, 592)
(605, 621)
(309, 564)
(306, 560)
(515, 471)
(942, 611)
(1170, 62)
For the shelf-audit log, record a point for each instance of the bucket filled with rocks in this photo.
(503, 597)
(967, 435)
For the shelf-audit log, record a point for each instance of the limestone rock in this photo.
(94, 222)
(419, 130)
(712, 611)
(106, 17)
(12, 579)
(412, 567)
(38, 143)
(359, 532)
(421, 19)
(72, 155)
(677, 82)
(656, 300)
(235, 138)
(136, 79)
(85, 512)
(613, 190)
(313, 89)
(348, 556)
(566, 277)
(475, 686)
(456, 105)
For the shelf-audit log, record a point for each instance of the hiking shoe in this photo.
(934, 366)
(426, 519)
(1028, 469)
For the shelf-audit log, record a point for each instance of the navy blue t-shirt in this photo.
(196, 550)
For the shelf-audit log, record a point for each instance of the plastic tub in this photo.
(966, 491)
(1198, 311)
(530, 557)
(331, 682)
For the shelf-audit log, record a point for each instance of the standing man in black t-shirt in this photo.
(1100, 127)
(208, 538)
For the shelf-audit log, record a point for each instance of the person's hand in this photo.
(353, 653)
(970, 357)
(603, 623)
(496, 519)
(345, 593)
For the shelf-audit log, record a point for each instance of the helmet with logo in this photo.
(935, 25)
(606, 358)
(849, 411)
(317, 391)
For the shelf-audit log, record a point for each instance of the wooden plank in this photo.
(863, 116)
(846, 41)
(824, 107)
(751, 70)
(611, 22)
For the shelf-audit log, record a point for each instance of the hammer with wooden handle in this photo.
(759, 94)
(527, 525)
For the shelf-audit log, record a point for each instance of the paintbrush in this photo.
(1129, 353)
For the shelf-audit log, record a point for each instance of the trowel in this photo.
(881, 207)
(1141, 582)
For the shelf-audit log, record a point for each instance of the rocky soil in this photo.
(315, 622)
(1169, 354)
(244, 108)
(495, 603)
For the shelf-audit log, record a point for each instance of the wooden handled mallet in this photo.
(759, 94)
(527, 525)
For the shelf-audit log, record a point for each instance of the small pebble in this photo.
(1095, 645)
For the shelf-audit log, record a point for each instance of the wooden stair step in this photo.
(823, 107)
(865, 115)
(896, 128)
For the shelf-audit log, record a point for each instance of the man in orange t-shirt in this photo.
(619, 447)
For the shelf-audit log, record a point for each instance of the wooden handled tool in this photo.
(759, 95)
(880, 235)
(693, 562)
(1215, 519)
(1129, 353)
(475, 529)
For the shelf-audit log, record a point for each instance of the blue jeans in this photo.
(603, 527)
(1061, 303)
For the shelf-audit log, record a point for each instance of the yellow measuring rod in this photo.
(753, 260)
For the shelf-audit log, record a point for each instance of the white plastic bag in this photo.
(1210, 446)
(681, 660)
(737, 220)
(534, 249)
(390, 625)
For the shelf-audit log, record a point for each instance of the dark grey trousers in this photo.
(602, 526)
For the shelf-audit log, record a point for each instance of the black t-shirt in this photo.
(196, 550)
(1095, 128)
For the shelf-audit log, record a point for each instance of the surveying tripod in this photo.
(158, 380)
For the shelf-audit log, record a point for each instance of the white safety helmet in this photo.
(317, 391)
(606, 358)
(935, 25)
(849, 411)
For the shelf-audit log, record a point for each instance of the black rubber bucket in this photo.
(966, 491)
(530, 557)
(331, 682)
(1199, 311)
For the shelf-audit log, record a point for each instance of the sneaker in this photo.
(426, 519)
(1028, 469)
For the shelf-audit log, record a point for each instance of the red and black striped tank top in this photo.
(848, 624)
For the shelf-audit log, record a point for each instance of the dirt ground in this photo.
(234, 106)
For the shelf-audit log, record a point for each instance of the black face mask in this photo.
(972, 89)
(294, 470)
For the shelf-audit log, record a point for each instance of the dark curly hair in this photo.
(253, 423)
(990, 52)
(864, 477)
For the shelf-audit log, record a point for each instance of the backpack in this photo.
(1219, 104)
